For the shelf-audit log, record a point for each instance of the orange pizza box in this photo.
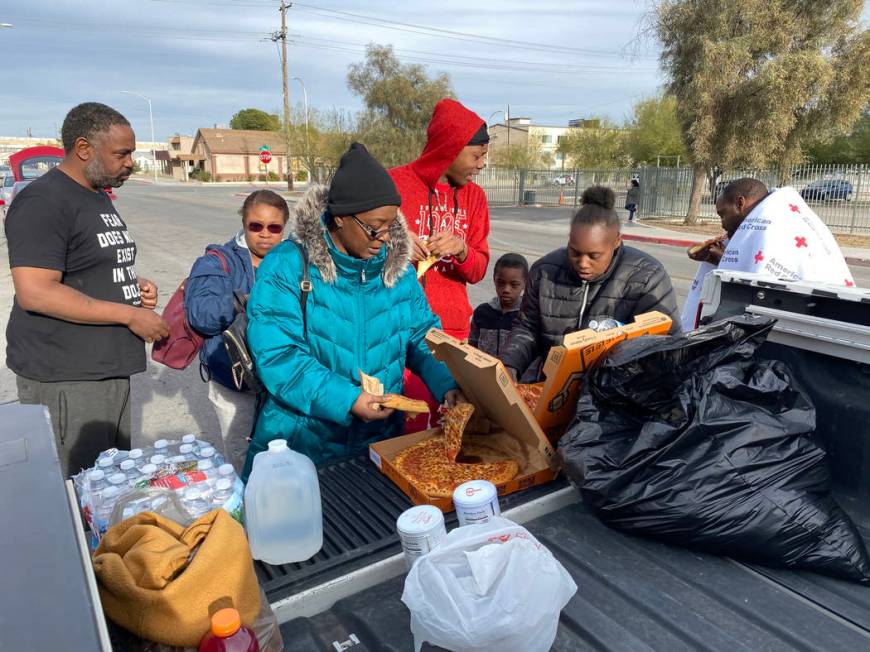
(501, 420)
(566, 364)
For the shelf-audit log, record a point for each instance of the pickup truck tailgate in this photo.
(633, 594)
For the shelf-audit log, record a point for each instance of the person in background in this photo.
(210, 308)
(632, 198)
(595, 277)
(81, 314)
(492, 321)
(449, 219)
(365, 312)
(772, 234)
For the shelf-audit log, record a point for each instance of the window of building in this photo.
(546, 140)
(560, 139)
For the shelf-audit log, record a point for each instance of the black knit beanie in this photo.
(480, 137)
(360, 184)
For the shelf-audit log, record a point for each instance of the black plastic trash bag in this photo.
(691, 440)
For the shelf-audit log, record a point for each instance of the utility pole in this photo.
(508, 115)
(282, 36)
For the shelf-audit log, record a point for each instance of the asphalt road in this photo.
(172, 224)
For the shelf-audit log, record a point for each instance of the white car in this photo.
(563, 180)
(7, 181)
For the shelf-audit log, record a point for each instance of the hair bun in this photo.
(598, 196)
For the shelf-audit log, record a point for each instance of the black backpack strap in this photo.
(304, 285)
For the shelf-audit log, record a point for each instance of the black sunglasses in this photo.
(256, 227)
(369, 231)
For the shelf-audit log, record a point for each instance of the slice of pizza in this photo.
(410, 406)
(424, 265)
(531, 394)
(426, 467)
(453, 426)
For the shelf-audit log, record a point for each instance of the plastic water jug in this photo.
(283, 514)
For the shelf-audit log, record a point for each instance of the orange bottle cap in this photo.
(225, 622)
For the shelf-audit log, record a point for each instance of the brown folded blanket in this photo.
(163, 581)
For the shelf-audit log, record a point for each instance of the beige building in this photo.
(233, 154)
(522, 132)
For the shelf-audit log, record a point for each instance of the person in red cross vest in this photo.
(733, 204)
(448, 216)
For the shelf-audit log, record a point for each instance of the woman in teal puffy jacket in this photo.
(365, 312)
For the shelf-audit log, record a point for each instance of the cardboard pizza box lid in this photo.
(566, 364)
(488, 386)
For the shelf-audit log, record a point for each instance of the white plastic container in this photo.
(420, 529)
(283, 514)
(476, 501)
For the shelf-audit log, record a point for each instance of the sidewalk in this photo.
(641, 232)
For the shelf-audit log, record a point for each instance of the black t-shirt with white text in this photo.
(56, 223)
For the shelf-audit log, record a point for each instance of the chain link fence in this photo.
(839, 194)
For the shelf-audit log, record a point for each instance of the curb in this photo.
(675, 242)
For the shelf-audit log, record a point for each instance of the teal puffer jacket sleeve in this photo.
(281, 353)
(420, 360)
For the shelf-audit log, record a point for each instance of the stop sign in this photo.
(265, 156)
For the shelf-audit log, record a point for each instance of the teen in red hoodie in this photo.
(449, 216)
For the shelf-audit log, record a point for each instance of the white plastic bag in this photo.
(487, 588)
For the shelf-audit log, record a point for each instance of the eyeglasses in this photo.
(369, 231)
(256, 227)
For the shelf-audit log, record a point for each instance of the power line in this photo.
(452, 34)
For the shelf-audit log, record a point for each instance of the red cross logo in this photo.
(849, 284)
(759, 257)
(794, 209)
(800, 242)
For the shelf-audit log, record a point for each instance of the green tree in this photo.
(255, 119)
(852, 148)
(604, 147)
(753, 79)
(398, 104)
(654, 130)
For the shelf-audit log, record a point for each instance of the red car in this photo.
(31, 163)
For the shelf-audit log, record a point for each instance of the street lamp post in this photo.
(151, 121)
(307, 148)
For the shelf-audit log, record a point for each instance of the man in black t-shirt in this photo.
(81, 315)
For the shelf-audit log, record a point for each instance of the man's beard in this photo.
(98, 177)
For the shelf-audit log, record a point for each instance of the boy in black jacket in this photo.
(492, 321)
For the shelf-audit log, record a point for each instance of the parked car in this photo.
(828, 189)
(563, 180)
(7, 181)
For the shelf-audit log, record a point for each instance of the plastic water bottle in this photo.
(161, 447)
(195, 502)
(103, 508)
(207, 453)
(137, 457)
(158, 460)
(128, 468)
(284, 516)
(105, 464)
(96, 483)
(223, 491)
(188, 439)
(187, 451)
(148, 472)
(206, 466)
(117, 480)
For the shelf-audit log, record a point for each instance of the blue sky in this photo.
(200, 61)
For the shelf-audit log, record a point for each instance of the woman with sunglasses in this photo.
(210, 308)
(365, 312)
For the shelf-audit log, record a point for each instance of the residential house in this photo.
(233, 154)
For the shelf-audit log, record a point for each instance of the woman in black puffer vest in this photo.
(595, 277)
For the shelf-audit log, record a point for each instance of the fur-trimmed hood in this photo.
(311, 232)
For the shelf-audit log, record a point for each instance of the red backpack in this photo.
(182, 345)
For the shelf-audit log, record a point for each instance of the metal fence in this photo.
(839, 194)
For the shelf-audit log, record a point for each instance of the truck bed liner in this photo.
(635, 594)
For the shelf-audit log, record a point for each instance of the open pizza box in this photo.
(566, 364)
(500, 413)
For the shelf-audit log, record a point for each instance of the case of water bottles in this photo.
(181, 479)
